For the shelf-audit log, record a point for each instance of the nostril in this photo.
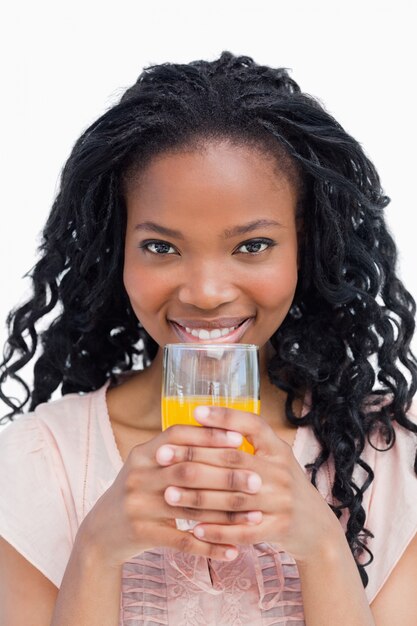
(205, 296)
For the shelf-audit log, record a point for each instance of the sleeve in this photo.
(392, 506)
(34, 516)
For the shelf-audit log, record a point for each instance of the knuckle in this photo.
(233, 480)
(210, 435)
(287, 505)
(237, 502)
(232, 457)
(197, 499)
(190, 513)
(189, 453)
(184, 472)
(245, 535)
(185, 543)
(137, 528)
(131, 481)
(216, 536)
(135, 456)
(223, 416)
(212, 551)
(231, 517)
(132, 505)
(285, 478)
(173, 432)
(284, 525)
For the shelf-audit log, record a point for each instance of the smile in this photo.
(219, 334)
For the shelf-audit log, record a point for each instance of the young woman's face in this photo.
(211, 246)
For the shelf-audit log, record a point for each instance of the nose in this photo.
(207, 286)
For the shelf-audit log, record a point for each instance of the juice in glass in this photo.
(180, 409)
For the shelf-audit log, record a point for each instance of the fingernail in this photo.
(199, 532)
(172, 494)
(201, 413)
(254, 517)
(231, 554)
(165, 453)
(254, 483)
(234, 438)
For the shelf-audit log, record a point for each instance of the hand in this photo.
(132, 515)
(285, 507)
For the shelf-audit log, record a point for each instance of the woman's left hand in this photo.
(288, 510)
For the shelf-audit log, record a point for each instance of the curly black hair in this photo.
(347, 335)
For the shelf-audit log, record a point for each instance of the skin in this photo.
(214, 190)
(202, 193)
(188, 192)
(200, 273)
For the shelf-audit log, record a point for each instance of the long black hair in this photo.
(347, 335)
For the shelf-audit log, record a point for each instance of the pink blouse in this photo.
(57, 461)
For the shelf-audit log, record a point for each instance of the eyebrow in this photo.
(242, 229)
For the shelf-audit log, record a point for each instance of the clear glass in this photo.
(208, 374)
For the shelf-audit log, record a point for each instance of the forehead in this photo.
(216, 178)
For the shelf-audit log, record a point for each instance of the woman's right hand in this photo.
(132, 515)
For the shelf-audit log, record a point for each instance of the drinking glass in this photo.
(204, 375)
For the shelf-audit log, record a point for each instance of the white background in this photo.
(64, 64)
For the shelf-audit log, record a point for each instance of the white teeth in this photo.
(203, 333)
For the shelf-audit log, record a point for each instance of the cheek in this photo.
(276, 288)
(138, 284)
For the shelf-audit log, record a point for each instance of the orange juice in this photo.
(179, 410)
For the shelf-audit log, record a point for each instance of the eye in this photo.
(255, 246)
(157, 247)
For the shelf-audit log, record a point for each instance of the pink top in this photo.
(56, 462)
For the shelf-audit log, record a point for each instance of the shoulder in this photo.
(62, 442)
(43, 443)
(391, 501)
(393, 464)
(65, 414)
(71, 405)
(51, 471)
(69, 439)
(62, 421)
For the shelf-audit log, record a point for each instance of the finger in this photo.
(159, 509)
(181, 434)
(224, 534)
(252, 426)
(211, 500)
(207, 516)
(187, 542)
(222, 457)
(215, 516)
(201, 476)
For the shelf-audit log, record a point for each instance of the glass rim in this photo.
(214, 346)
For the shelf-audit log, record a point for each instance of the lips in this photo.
(224, 322)
(196, 331)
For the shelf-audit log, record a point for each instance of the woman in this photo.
(215, 196)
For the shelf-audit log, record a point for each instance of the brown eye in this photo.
(255, 246)
(158, 247)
